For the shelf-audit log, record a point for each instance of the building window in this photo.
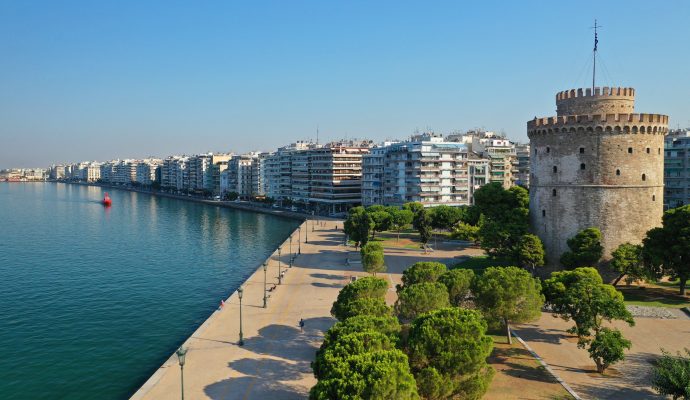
(582, 150)
(555, 169)
(659, 152)
(582, 166)
(630, 150)
(618, 172)
(653, 197)
(648, 150)
(644, 177)
(553, 193)
(543, 213)
(548, 149)
(535, 150)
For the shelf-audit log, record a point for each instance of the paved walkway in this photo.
(630, 379)
(274, 362)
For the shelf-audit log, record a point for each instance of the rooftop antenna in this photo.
(594, 53)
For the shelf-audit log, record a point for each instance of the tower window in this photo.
(543, 213)
(653, 197)
(553, 193)
(582, 150)
(582, 166)
(648, 150)
(535, 150)
(548, 149)
(555, 169)
(630, 150)
(659, 152)
(618, 172)
(644, 177)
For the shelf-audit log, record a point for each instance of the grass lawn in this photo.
(654, 296)
(519, 375)
(480, 263)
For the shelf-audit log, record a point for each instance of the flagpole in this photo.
(594, 68)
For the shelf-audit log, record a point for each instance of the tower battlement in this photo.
(601, 100)
(598, 119)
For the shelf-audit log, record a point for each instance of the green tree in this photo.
(364, 306)
(607, 348)
(505, 218)
(508, 295)
(627, 261)
(585, 249)
(671, 375)
(448, 349)
(383, 374)
(346, 345)
(667, 249)
(458, 282)
(370, 247)
(363, 288)
(382, 221)
(400, 219)
(414, 207)
(387, 325)
(471, 215)
(530, 252)
(373, 262)
(423, 271)
(463, 231)
(422, 223)
(580, 295)
(420, 298)
(444, 217)
(358, 225)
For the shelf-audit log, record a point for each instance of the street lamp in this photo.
(181, 354)
(306, 232)
(280, 278)
(299, 240)
(290, 245)
(239, 294)
(265, 268)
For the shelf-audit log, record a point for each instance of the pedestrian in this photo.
(301, 325)
(222, 304)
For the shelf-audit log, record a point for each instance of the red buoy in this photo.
(106, 200)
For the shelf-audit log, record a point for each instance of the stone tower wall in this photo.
(600, 170)
(602, 101)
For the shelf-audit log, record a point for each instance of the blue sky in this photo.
(99, 80)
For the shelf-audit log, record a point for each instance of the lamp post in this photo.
(299, 240)
(290, 245)
(306, 232)
(181, 354)
(280, 278)
(239, 294)
(265, 268)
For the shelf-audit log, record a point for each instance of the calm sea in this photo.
(93, 300)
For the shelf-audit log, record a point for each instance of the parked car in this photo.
(293, 209)
(276, 205)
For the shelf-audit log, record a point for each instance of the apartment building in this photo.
(677, 168)
(432, 171)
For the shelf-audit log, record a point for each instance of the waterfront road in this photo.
(274, 362)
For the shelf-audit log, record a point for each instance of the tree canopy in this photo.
(458, 282)
(358, 225)
(530, 252)
(422, 223)
(607, 348)
(585, 249)
(671, 375)
(362, 293)
(387, 325)
(627, 261)
(448, 349)
(383, 374)
(667, 248)
(423, 271)
(419, 298)
(508, 295)
(505, 218)
(400, 219)
(580, 295)
(373, 262)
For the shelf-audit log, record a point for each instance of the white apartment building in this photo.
(426, 169)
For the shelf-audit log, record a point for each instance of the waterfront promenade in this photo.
(274, 362)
